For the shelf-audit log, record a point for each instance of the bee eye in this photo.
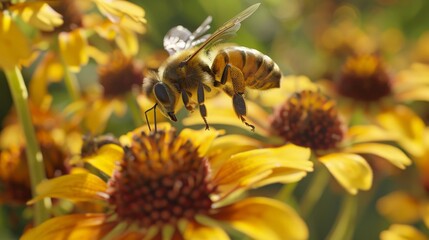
(161, 93)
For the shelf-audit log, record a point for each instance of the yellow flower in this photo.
(164, 185)
(365, 84)
(68, 46)
(119, 78)
(14, 172)
(15, 45)
(310, 119)
(402, 232)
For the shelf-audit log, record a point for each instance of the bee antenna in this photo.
(154, 117)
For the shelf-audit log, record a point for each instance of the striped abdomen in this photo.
(259, 70)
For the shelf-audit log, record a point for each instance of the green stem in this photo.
(285, 194)
(135, 110)
(346, 220)
(34, 155)
(71, 82)
(314, 191)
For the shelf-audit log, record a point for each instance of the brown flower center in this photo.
(5, 5)
(120, 75)
(72, 16)
(161, 179)
(14, 173)
(308, 119)
(364, 78)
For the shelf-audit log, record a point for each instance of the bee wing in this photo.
(180, 38)
(228, 29)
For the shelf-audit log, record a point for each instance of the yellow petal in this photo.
(369, 133)
(221, 111)
(407, 126)
(288, 85)
(200, 138)
(116, 10)
(195, 231)
(77, 226)
(14, 46)
(38, 14)
(245, 169)
(226, 146)
(73, 48)
(127, 41)
(263, 218)
(402, 232)
(399, 207)
(47, 71)
(350, 170)
(390, 153)
(75, 187)
(96, 119)
(418, 94)
(106, 158)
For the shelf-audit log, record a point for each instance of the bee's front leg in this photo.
(203, 109)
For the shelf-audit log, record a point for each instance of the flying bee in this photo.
(193, 72)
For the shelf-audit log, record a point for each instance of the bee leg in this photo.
(239, 86)
(240, 109)
(203, 109)
(185, 99)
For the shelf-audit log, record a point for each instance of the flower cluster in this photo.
(320, 133)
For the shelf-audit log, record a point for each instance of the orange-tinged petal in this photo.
(399, 207)
(38, 14)
(73, 48)
(77, 226)
(350, 170)
(196, 231)
(390, 153)
(425, 213)
(75, 187)
(402, 232)
(247, 168)
(106, 158)
(14, 46)
(263, 218)
(200, 138)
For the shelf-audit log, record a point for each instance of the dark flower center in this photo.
(161, 180)
(364, 78)
(72, 16)
(120, 75)
(308, 119)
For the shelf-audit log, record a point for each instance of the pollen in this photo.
(162, 179)
(308, 119)
(364, 78)
(120, 75)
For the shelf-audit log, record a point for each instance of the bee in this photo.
(194, 72)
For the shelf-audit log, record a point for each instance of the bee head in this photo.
(166, 99)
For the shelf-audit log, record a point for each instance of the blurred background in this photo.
(311, 38)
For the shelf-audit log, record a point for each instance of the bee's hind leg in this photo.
(238, 85)
(240, 109)
(202, 107)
